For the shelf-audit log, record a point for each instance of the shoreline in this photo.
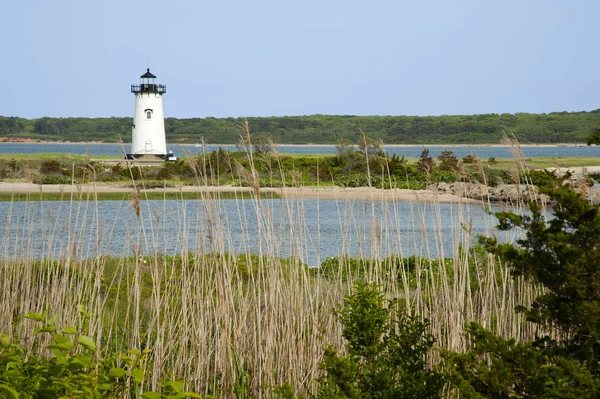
(490, 145)
(319, 193)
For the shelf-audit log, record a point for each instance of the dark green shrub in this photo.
(448, 161)
(387, 352)
(426, 163)
(50, 166)
(56, 179)
(445, 176)
(470, 159)
(562, 254)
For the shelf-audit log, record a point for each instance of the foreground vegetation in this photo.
(256, 325)
(489, 318)
(556, 127)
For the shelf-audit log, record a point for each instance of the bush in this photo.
(470, 159)
(56, 179)
(74, 370)
(445, 176)
(387, 352)
(448, 161)
(50, 166)
(562, 255)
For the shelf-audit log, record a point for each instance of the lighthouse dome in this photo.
(148, 75)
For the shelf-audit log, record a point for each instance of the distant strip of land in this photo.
(552, 128)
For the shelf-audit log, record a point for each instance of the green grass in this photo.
(563, 162)
(42, 156)
(121, 196)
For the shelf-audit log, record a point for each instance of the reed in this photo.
(242, 315)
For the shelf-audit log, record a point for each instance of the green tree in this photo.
(262, 143)
(369, 146)
(387, 352)
(343, 148)
(425, 163)
(562, 253)
(46, 126)
(594, 138)
(448, 161)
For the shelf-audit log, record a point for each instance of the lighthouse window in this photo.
(148, 114)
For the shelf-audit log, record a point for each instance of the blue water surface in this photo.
(483, 152)
(309, 229)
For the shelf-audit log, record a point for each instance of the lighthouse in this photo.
(148, 130)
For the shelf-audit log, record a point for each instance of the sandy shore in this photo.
(359, 193)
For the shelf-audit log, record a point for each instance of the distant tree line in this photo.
(556, 127)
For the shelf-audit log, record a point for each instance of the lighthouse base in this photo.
(151, 157)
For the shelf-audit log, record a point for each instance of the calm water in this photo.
(311, 230)
(410, 152)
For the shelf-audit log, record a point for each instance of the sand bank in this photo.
(359, 193)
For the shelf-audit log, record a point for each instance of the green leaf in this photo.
(191, 395)
(13, 373)
(69, 330)
(60, 339)
(176, 386)
(4, 341)
(63, 346)
(106, 386)
(49, 329)
(35, 316)
(9, 391)
(117, 372)
(151, 395)
(138, 375)
(86, 342)
(83, 360)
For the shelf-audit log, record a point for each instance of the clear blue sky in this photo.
(235, 58)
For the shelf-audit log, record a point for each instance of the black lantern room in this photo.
(148, 84)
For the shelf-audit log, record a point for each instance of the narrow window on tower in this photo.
(148, 114)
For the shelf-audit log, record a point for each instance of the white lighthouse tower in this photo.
(148, 130)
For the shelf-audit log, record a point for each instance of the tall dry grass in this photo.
(254, 321)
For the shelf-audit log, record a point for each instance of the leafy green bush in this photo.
(387, 352)
(443, 176)
(562, 254)
(54, 179)
(75, 369)
(49, 166)
(470, 159)
(448, 161)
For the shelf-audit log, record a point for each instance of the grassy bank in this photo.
(127, 196)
